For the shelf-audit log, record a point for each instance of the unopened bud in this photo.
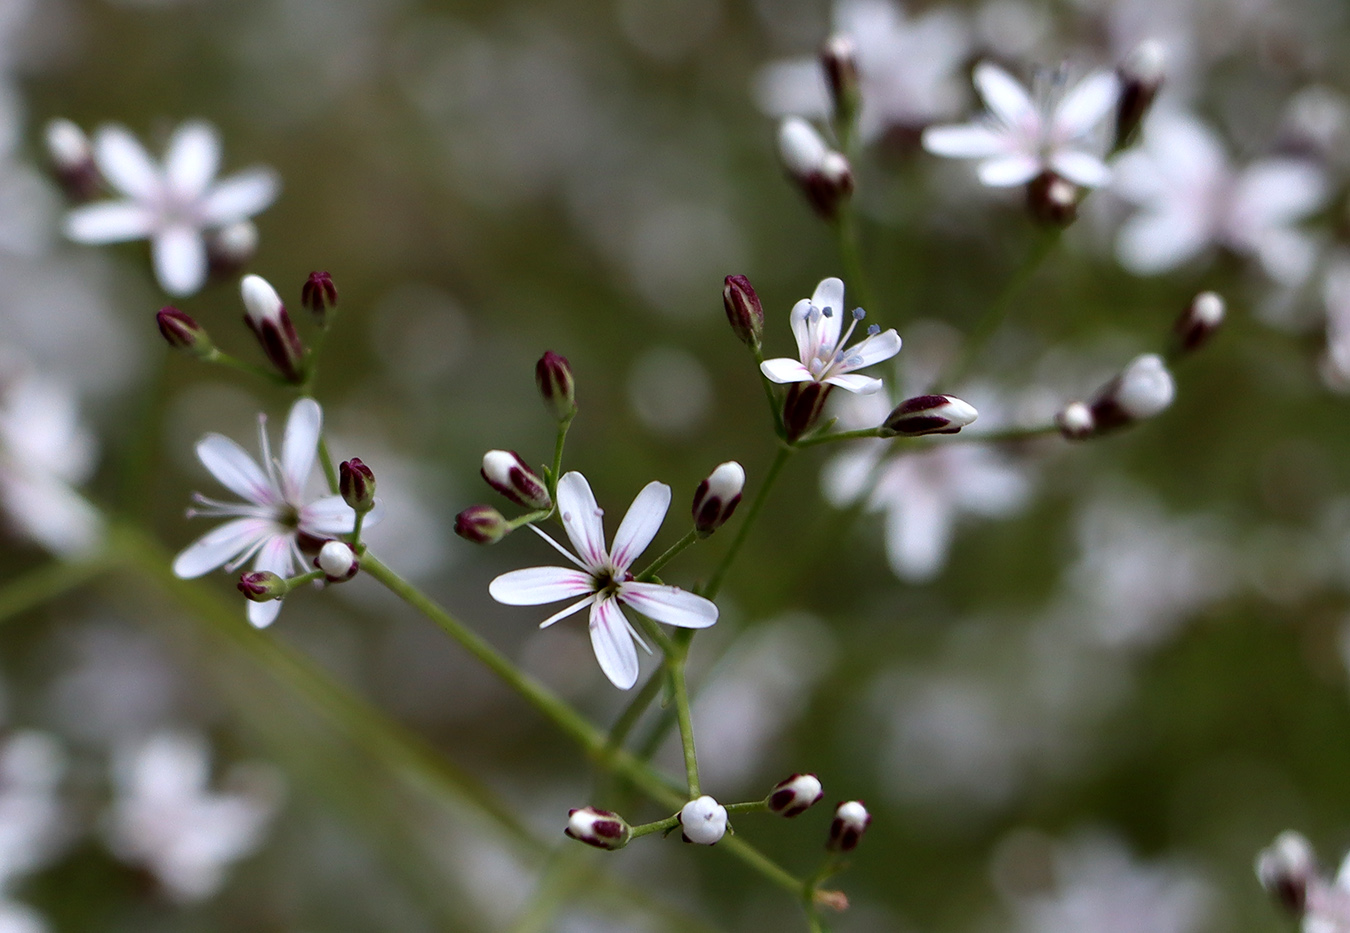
(929, 414)
(553, 375)
(72, 160)
(1287, 869)
(744, 312)
(802, 406)
(851, 820)
(1143, 389)
(356, 483)
(824, 176)
(183, 332)
(230, 249)
(481, 524)
(717, 497)
(1141, 76)
(839, 58)
(795, 795)
(507, 473)
(1052, 199)
(600, 828)
(337, 561)
(1075, 421)
(266, 316)
(1202, 317)
(262, 586)
(319, 294)
(703, 821)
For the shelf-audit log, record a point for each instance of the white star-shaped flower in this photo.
(603, 579)
(172, 204)
(1022, 137)
(816, 323)
(275, 519)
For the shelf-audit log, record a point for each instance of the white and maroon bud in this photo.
(600, 828)
(1202, 317)
(744, 312)
(266, 316)
(507, 473)
(481, 524)
(356, 484)
(1143, 389)
(337, 561)
(557, 386)
(1141, 77)
(824, 176)
(851, 820)
(929, 414)
(262, 586)
(183, 332)
(72, 160)
(1052, 199)
(839, 58)
(231, 248)
(703, 821)
(1287, 869)
(1075, 421)
(717, 497)
(795, 795)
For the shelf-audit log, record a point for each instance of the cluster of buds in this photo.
(717, 497)
(928, 414)
(72, 160)
(1289, 871)
(851, 820)
(794, 795)
(1141, 76)
(703, 821)
(600, 828)
(824, 175)
(744, 312)
(1142, 390)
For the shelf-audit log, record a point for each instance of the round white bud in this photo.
(704, 821)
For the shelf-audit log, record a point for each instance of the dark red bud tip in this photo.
(744, 311)
(319, 294)
(356, 483)
(1052, 200)
(262, 585)
(481, 524)
(182, 332)
(553, 376)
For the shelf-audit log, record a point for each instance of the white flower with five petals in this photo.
(172, 205)
(1023, 136)
(603, 578)
(816, 323)
(275, 518)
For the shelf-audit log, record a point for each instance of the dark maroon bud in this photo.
(72, 160)
(553, 375)
(929, 414)
(262, 586)
(802, 407)
(600, 828)
(356, 483)
(744, 312)
(851, 820)
(824, 175)
(717, 497)
(839, 58)
(1141, 76)
(506, 472)
(267, 318)
(795, 795)
(1052, 200)
(1287, 870)
(481, 524)
(230, 249)
(1199, 322)
(319, 294)
(183, 332)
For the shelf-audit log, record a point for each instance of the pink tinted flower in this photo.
(817, 324)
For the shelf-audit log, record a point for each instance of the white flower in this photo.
(171, 205)
(270, 524)
(1021, 137)
(1190, 198)
(165, 819)
(816, 323)
(703, 821)
(604, 579)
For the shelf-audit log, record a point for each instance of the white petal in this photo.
(581, 518)
(1277, 192)
(918, 535)
(798, 320)
(109, 222)
(278, 557)
(219, 546)
(241, 195)
(1085, 106)
(640, 524)
(192, 159)
(180, 260)
(1286, 255)
(846, 477)
(792, 88)
(873, 349)
(782, 370)
(829, 294)
(855, 382)
(614, 647)
(125, 163)
(332, 516)
(964, 141)
(300, 445)
(1004, 96)
(235, 469)
(1007, 171)
(52, 514)
(535, 586)
(1081, 168)
(1150, 243)
(669, 604)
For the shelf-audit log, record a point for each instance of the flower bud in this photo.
(481, 524)
(703, 821)
(183, 332)
(337, 561)
(72, 160)
(802, 406)
(270, 323)
(507, 473)
(318, 294)
(553, 375)
(851, 820)
(231, 248)
(600, 828)
(717, 497)
(356, 483)
(839, 58)
(1052, 199)
(262, 586)
(1143, 389)
(1202, 317)
(1075, 421)
(744, 312)
(929, 414)
(795, 795)
(824, 176)
(1141, 76)
(1287, 869)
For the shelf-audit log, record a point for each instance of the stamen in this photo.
(873, 329)
(827, 311)
(859, 314)
(559, 548)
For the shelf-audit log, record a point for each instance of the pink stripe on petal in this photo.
(581, 518)
(614, 647)
(535, 586)
(783, 370)
(640, 524)
(669, 604)
(219, 545)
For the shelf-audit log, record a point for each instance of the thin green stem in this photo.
(684, 716)
(770, 394)
(850, 253)
(529, 518)
(558, 445)
(221, 358)
(720, 574)
(660, 826)
(859, 434)
(749, 806)
(329, 473)
(650, 573)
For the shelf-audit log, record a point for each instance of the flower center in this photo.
(288, 517)
(607, 582)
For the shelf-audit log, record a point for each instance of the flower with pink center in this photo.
(816, 323)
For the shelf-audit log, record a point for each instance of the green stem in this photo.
(650, 573)
(720, 574)
(660, 826)
(859, 434)
(221, 358)
(775, 407)
(329, 473)
(749, 806)
(558, 445)
(684, 716)
(618, 733)
(850, 254)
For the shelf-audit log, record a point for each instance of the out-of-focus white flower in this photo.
(1191, 198)
(1336, 297)
(166, 819)
(907, 69)
(816, 323)
(275, 516)
(1288, 870)
(32, 823)
(172, 204)
(1022, 137)
(603, 578)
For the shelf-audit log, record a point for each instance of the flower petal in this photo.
(1276, 192)
(241, 195)
(640, 524)
(109, 222)
(855, 382)
(220, 545)
(300, 445)
(799, 321)
(873, 349)
(332, 516)
(614, 647)
(192, 159)
(277, 556)
(231, 465)
(1149, 243)
(535, 586)
(1084, 106)
(828, 297)
(1007, 171)
(964, 141)
(669, 604)
(1003, 95)
(581, 517)
(180, 259)
(125, 163)
(918, 535)
(782, 370)
(1081, 168)
(51, 513)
